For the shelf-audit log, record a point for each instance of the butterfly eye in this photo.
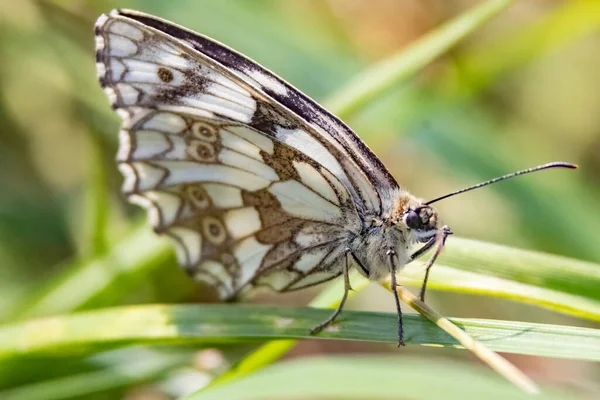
(423, 220)
(412, 220)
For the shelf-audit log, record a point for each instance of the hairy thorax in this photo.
(383, 234)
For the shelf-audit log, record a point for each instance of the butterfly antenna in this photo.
(558, 164)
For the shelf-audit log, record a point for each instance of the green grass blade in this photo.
(371, 377)
(454, 280)
(557, 283)
(221, 324)
(395, 69)
(559, 274)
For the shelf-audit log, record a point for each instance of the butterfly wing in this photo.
(254, 182)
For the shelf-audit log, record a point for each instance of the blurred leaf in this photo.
(97, 205)
(222, 324)
(388, 73)
(570, 21)
(138, 255)
(21, 212)
(114, 369)
(370, 377)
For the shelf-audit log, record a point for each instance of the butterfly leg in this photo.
(338, 310)
(426, 247)
(440, 240)
(391, 253)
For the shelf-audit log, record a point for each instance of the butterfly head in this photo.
(422, 220)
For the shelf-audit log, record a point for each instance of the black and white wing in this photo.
(255, 183)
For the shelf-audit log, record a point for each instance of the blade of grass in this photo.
(559, 274)
(494, 360)
(389, 72)
(223, 323)
(360, 377)
(454, 280)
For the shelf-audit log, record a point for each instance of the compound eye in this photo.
(412, 220)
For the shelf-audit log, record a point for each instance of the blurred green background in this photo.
(523, 90)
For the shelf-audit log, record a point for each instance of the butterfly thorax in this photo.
(404, 222)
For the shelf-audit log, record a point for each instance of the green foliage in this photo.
(370, 377)
(211, 325)
(515, 94)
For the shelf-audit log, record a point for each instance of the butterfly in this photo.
(255, 183)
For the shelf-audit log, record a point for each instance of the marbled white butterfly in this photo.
(255, 183)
